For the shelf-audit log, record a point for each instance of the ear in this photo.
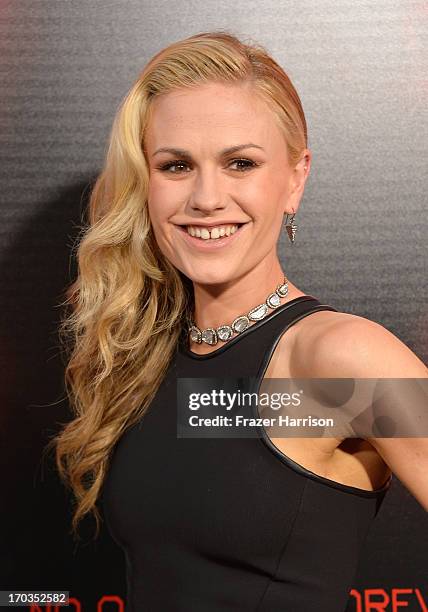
(298, 177)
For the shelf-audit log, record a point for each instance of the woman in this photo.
(179, 278)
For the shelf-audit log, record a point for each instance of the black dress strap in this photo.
(246, 354)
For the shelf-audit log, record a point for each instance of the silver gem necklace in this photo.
(211, 335)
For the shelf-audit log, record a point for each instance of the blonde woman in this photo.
(179, 278)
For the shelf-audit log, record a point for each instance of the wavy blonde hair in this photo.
(128, 304)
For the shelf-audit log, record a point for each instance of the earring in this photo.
(291, 227)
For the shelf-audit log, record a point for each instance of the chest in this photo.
(211, 495)
(225, 501)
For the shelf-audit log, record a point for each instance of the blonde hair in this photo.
(128, 303)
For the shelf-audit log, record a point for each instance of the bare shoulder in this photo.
(330, 344)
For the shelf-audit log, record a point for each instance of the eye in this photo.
(248, 164)
(177, 162)
(167, 167)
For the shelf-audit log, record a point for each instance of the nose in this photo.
(207, 195)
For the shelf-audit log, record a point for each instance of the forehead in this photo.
(210, 110)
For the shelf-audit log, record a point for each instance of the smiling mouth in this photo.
(211, 233)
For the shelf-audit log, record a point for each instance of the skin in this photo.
(205, 187)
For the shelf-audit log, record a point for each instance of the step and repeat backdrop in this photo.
(360, 70)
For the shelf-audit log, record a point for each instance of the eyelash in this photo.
(176, 162)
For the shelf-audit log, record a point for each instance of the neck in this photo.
(220, 304)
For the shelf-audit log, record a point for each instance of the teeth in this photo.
(212, 234)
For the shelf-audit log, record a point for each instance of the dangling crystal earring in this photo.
(291, 227)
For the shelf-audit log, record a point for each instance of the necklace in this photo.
(211, 335)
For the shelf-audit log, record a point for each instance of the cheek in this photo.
(153, 210)
(162, 201)
(268, 226)
(158, 211)
(267, 216)
(264, 197)
(162, 229)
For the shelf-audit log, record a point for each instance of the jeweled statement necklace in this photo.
(211, 335)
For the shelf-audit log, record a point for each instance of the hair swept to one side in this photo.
(126, 308)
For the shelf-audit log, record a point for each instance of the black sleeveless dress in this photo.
(230, 524)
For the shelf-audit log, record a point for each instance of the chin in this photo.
(210, 278)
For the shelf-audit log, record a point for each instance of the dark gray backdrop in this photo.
(361, 244)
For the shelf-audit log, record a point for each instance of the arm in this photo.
(354, 347)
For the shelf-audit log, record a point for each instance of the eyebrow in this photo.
(228, 150)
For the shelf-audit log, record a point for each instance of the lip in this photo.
(211, 225)
(211, 245)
